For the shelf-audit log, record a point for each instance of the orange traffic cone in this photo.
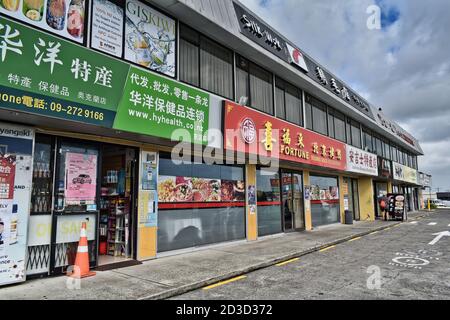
(81, 267)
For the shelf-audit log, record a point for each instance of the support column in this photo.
(306, 185)
(366, 199)
(251, 198)
(343, 192)
(147, 207)
(389, 187)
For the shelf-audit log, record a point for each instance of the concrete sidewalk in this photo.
(169, 276)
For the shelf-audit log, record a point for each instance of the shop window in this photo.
(256, 84)
(288, 102)
(378, 146)
(349, 131)
(324, 200)
(269, 202)
(386, 150)
(336, 125)
(317, 116)
(199, 204)
(41, 194)
(367, 141)
(356, 134)
(205, 64)
(308, 116)
(394, 153)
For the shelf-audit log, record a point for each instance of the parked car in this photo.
(82, 179)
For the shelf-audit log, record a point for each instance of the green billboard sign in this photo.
(157, 106)
(49, 76)
(53, 77)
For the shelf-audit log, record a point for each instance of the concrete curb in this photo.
(203, 283)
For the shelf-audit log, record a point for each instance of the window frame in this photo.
(200, 36)
(239, 57)
(283, 86)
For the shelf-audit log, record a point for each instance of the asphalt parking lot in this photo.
(407, 261)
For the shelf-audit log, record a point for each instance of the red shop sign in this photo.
(253, 132)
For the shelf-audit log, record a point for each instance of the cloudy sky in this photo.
(404, 67)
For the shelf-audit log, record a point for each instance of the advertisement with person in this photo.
(107, 27)
(150, 38)
(7, 173)
(15, 195)
(65, 18)
(81, 175)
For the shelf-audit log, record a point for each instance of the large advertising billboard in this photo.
(15, 195)
(65, 18)
(150, 38)
(51, 77)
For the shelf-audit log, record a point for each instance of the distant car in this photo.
(82, 179)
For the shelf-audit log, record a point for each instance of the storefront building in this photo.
(93, 109)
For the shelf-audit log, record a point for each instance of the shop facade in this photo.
(91, 125)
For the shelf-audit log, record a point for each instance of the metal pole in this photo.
(429, 201)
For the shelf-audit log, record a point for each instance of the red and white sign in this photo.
(296, 57)
(360, 161)
(7, 173)
(275, 138)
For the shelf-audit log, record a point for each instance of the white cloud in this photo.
(403, 68)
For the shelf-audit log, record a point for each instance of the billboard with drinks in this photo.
(65, 18)
(150, 38)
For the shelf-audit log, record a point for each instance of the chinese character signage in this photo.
(250, 131)
(52, 77)
(65, 18)
(404, 173)
(150, 38)
(360, 161)
(15, 196)
(43, 75)
(334, 85)
(107, 27)
(157, 106)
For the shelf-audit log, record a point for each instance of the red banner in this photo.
(253, 132)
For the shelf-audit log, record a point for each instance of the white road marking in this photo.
(432, 223)
(414, 222)
(439, 236)
(449, 225)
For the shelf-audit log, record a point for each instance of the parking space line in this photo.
(354, 239)
(218, 284)
(327, 248)
(287, 262)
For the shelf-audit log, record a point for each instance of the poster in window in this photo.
(107, 27)
(189, 189)
(81, 178)
(7, 173)
(150, 38)
(65, 18)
